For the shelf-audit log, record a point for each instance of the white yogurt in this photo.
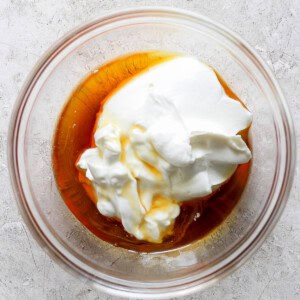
(167, 136)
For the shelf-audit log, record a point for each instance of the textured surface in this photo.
(29, 27)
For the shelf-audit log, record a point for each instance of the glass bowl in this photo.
(116, 270)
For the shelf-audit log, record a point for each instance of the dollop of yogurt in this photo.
(168, 135)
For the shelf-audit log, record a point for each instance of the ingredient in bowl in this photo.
(75, 133)
(168, 135)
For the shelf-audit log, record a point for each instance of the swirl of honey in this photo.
(74, 134)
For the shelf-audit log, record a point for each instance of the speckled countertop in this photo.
(29, 27)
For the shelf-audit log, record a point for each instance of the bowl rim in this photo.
(104, 285)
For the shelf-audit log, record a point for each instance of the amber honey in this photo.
(74, 134)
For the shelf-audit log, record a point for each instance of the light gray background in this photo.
(29, 27)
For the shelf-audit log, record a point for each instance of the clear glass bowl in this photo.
(113, 269)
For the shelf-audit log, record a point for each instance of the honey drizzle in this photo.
(74, 134)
